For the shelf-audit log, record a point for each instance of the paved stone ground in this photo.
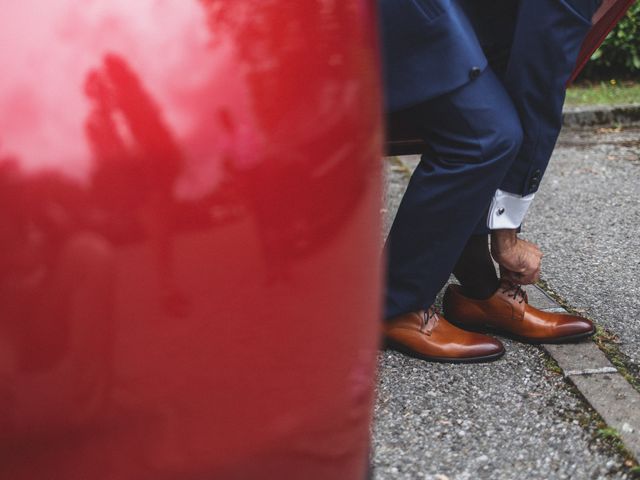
(516, 418)
(586, 219)
(513, 419)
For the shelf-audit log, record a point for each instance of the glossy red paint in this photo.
(189, 238)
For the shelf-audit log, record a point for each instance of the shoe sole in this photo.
(393, 345)
(530, 341)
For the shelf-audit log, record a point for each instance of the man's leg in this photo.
(547, 39)
(473, 135)
(475, 269)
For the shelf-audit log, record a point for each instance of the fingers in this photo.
(522, 263)
(531, 274)
(530, 278)
(536, 277)
(513, 277)
(527, 278)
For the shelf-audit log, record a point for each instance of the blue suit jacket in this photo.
(429, 48)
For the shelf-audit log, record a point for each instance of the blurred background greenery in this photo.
(613, 74)
(619, 55)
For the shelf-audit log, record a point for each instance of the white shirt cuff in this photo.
(507, 210)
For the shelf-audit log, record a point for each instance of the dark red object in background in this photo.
(605, 19)
(189, 239)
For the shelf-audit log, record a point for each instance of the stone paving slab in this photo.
(617, 402)
(579, 357)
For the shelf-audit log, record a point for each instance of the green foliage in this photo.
(619, 55)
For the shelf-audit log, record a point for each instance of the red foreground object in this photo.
(189, 239)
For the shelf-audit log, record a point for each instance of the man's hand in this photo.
(519, 260)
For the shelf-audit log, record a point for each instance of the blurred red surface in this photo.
(189, 238)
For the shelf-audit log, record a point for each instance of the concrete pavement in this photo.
(586, 219)
(520, 417)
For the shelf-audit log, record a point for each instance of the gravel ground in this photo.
(510, 419)
(586, 218)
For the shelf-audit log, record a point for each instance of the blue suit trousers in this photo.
(473, 135)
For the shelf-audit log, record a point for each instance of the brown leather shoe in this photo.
(427, 335)
(508, 313)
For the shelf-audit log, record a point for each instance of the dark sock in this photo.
(475, 270)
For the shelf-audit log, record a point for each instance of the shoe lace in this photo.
(430, 319)
(516, 292)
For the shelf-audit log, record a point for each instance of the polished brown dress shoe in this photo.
(427, 335)
(508, 313)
